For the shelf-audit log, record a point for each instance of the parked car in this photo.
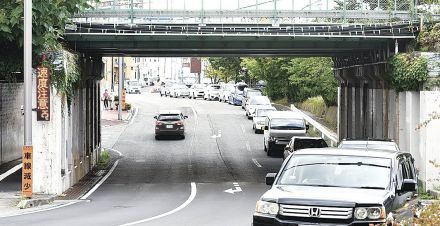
(337, 187)
(370, 144)
(280, 127)
(170, 123)
(165, 89)
(236, 98)
(133, 86)
(225, 91)
(248, 93)
(255, 102)
(297, 143)
(197, 91)
(212, 92)
(260, 117)
(179, 90)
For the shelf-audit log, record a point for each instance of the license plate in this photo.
(169, 126)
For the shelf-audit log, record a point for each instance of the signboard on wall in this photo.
(196, 65)
(26, 180)
(43, 94)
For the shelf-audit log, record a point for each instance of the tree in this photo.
(349, 5)
(311, 77)
(227, 68)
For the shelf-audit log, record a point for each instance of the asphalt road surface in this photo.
(174, 181)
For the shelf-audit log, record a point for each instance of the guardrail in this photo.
(326, 134)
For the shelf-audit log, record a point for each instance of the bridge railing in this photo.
(262, 10)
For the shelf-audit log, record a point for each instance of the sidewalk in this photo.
(10, 185)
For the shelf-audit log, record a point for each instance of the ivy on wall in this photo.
(65, 72)
(407, 72)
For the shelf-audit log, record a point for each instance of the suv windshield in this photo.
(337, 171)
(309, 143)
(262, 112)
(287, 124)
(169, 117)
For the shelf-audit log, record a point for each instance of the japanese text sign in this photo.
(26, 181)
(43, 94)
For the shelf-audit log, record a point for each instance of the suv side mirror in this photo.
(408, 185)
(155, 117)
(270, 178)
(307, 127)
(185, 117)
(287, 148)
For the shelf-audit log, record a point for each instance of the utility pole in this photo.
(113, 75)
(27, 85)
(121, 81)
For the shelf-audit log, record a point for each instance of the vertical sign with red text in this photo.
(26, 181)
(43, 94)
(123, 99)
(196, 65)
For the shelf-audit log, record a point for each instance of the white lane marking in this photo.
(257, 163)
(11, 171)
(134, 116)
(186, 203)
(219, 134)
(235, 189)
(194, 112)
(248, 146)
(101, 181)
(243, 129)
(82, 199)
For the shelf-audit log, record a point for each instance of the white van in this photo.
(280, 127)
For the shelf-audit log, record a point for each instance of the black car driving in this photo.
(329, 186)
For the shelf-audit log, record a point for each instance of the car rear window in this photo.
(287, 124)
(309, 143)
(263, 112)
(259, 101)
(253, 93)
(169, 117)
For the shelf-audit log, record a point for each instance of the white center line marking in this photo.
(243, 129)
(257, 163)
(10, 171)
(248, 146)
(186, 203)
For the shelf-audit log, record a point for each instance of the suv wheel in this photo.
(269, 150)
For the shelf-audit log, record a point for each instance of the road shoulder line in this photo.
(186, 203)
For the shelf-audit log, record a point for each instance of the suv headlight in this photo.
(373, 213)
(267, 208)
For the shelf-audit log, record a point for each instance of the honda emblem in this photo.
(314, 212)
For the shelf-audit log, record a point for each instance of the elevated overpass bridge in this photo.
(243, 27)
(360, 36)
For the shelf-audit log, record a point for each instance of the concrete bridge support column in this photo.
(67, 146)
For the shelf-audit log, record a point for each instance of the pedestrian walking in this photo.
(106, 98)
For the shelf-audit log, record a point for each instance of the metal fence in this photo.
(249, 11)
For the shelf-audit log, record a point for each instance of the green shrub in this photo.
(315, 105)
(103, 160)
(283, 101)
(407, 72)
(127, 106)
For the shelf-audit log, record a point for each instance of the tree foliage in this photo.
(48, 21)
(223, 68)
(295, 78)
(407, 72)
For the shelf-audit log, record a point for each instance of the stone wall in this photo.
(11, 121)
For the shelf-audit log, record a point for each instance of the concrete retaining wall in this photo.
(11, 121)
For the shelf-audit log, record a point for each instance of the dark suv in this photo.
(297, 143)
(170, 123)
(329, 186)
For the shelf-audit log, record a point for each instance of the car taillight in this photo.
(159, 123)
(179, 123)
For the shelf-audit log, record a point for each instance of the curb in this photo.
(29, 203)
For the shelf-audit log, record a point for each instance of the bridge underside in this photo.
(236, 39)
(162, 45)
